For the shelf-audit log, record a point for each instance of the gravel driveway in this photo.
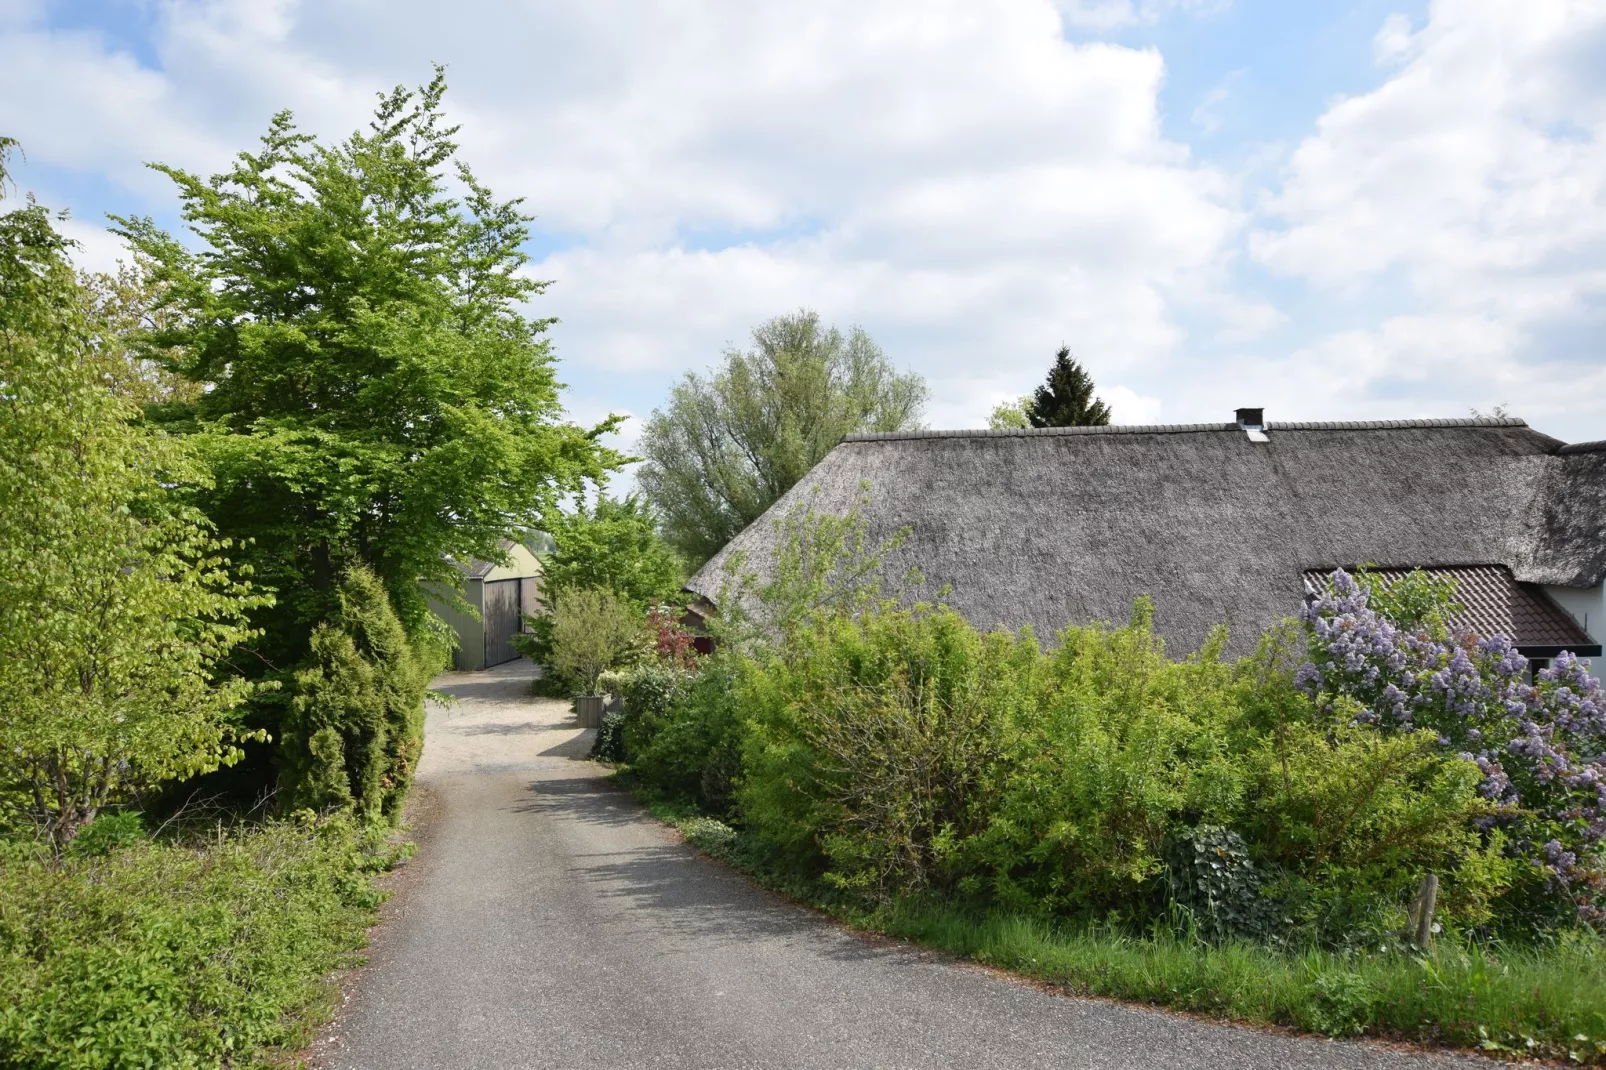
(547, 921)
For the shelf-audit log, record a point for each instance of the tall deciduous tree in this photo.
(116, 603)
(727, 446)
(1066, 399)
(612, 544)
(1011, 415)
(121, 307)
(375, 394)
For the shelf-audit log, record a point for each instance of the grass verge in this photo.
(1517, 1002)
(210, 952)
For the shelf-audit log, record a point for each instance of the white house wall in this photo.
(1587, 605)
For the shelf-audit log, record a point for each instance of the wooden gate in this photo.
(502, 621)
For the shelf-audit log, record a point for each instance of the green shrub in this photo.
(710, 836)
(644, 691)
(609, 746)
(683, 734)
(1355, 819)
(1212, 877)
(107, 833)
(895, 751)
(1123, 749)
(882, 743)
(355, 729)
(178, 955)
(593, 630)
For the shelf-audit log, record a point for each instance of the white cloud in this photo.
(1127, 406)
(958, 178)
(1394, 41)
(98, 248)
(1115, 14)
(1207, 115)
(1467, 192)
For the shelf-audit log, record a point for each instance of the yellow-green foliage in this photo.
(356, 724)
(894, 751)
(593, 629)
(178, 955)
(117, 601)
(682, 733)
(884, 742)
(1122, 747)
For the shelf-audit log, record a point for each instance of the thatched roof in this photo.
(1046, 527)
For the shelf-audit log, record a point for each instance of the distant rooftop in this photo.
(1216, 522)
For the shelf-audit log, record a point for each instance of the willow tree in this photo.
(727, 446)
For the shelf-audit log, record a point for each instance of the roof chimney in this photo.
(1253, 423)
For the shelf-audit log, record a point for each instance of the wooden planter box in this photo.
(589, 709)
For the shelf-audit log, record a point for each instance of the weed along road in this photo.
(548, 921)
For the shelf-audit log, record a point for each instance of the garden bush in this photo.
(198, 953)
(1243, 837)
(1538, 746)
(893, 751)
(882, 742)
(683, 732)
(593, 630)
(355, 729)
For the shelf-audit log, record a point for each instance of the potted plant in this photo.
(592, 629)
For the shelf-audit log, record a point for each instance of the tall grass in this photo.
(212, 951)
(1544, 1001)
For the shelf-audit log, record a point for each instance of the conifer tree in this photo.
(1066, 398)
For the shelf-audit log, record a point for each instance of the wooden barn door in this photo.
(502, 621)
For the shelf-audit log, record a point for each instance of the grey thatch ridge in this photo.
(1047, 527)
(1584, 447)
(1182, 429)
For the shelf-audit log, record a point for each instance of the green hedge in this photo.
(208, 953)
(1194, 832)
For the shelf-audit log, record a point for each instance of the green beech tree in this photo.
(727, 446)
(375, 395)
(1066, 398)
(116, 602)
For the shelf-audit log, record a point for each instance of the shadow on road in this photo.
(592, 799)
(513, 728)
(673, 888)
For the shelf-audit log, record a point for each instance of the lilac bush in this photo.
(1540, 745)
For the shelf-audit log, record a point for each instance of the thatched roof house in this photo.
(1222, 522)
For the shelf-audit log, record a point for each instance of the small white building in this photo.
(500, 595)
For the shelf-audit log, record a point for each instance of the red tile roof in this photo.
(1496, 602)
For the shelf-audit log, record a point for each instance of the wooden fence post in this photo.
(1427, 898)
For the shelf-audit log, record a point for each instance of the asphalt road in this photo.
(547, 921)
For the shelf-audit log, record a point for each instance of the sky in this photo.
(1343, 211)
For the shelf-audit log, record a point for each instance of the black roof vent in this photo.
(1252, 419)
